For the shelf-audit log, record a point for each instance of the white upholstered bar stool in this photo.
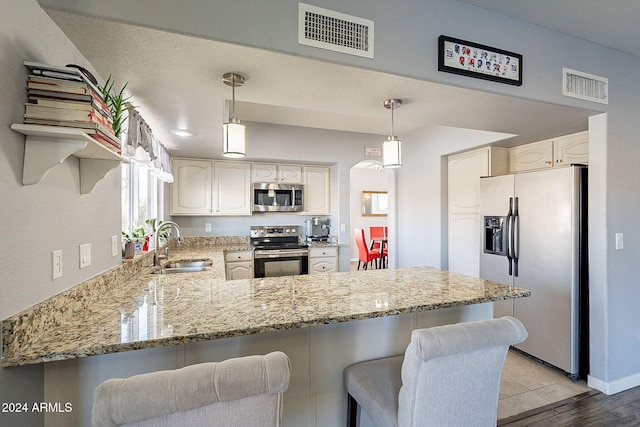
(244, 391)
(449, 376)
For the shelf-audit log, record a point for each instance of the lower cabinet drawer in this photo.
(238, 256)
(323, 252)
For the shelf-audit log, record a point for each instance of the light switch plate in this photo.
(114, 246)
(619, 241)
(56, 265)
(85, 255)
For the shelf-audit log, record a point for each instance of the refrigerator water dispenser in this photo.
(495, 235)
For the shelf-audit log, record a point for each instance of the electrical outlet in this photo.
(207, 227)
(115, 250)
(56, 264)
(85, 255)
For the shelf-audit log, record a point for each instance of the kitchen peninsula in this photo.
(323, 322)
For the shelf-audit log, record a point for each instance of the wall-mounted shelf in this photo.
(48, 146)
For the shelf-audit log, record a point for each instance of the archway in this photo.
(369, 176)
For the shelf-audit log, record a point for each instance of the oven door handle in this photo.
(279, 253)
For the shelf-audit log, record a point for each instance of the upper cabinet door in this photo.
(572, 148)
(284, 174)
(191, 190)
(465, 170)
(290, 174)
(537, 155)
(232, 188)
(316, 190)
(264, 172)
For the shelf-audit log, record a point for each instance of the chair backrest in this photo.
(363, 250)
(242, 391)
(451, 374)
(377, 232)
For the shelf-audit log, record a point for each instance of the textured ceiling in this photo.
(176, 82)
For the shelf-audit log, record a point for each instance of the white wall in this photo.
(51, 215)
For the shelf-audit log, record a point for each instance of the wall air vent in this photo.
(577, 84)
(334, 31)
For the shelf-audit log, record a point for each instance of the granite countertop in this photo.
(98, 316)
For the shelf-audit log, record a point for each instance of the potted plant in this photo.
(137, 237)
(117, 104)
(129, 246)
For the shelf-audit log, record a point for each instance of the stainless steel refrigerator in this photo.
(534, 236)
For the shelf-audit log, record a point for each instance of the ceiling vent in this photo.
(334, 31)
(577, 84)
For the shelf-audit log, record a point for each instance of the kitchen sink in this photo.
(189, 266)
(189, 263)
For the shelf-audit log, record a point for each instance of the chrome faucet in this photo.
(156, 240)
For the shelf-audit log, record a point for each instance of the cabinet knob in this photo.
(547, 162)
(559, 161)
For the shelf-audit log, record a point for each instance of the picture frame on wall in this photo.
(476, 60)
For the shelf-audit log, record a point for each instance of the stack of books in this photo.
(64, 96)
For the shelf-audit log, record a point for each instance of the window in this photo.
(142, 196)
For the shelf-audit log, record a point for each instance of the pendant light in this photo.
(233, 142)
(392, 147)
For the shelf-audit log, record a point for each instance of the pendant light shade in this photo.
(392, 153)
(233, 142)
(233, 132)
(392, 147)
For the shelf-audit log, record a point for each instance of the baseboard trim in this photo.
(616, 386)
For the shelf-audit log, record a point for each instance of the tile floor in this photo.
(527, 385)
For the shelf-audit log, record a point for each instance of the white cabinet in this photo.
(537, 155)
(316, 190)
(464, 172)
(232, 188)
(207, 187)
(204, 187)
(285, 174)
(323, 260)
(560, 151)
(464, 243)
(191, 191)
(572, 148)
(238, 265)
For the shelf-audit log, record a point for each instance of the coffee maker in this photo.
(317, 229)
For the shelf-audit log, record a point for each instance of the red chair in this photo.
(378, 240)
(364, 255)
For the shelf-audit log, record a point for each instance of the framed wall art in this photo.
(477, 60)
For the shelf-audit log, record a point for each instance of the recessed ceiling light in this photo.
(182, 132)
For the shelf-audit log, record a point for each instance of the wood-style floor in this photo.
(591, 408)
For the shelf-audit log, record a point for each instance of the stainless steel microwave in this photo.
(273, 197)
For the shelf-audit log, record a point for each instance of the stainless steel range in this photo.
(278, 252)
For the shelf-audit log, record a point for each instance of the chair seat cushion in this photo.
(375, 385)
